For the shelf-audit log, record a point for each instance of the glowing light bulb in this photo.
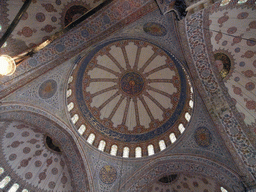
(7, 65)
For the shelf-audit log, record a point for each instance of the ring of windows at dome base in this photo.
(6, 180)
(226, 2)
(131, 82)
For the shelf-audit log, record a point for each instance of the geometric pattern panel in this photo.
(44, 92)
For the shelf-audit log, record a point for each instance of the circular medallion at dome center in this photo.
(132, 83)
(129, 91)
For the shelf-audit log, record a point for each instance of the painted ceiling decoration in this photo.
(184, 183)
(147, 178)
(132, 99)
(119, 13)
(34, 158)
(237, 44)
(203, 137)
(206, 34)
(41, 20)
(40, 122)
(108, 174)
(130, 92)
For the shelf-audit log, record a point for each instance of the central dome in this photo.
(129, 92)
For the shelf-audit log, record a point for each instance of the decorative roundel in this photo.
(155, 29)
(132, 83)
(225, 62)
(108, 174)
(48, 89)
(203, 137)
(129, 93)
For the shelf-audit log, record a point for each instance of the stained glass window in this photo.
(242, 1)
(223, 189)
(74, 119)
(70, 106)
(162, 145)
(4, 182)
(102, 145)
(126, 152)
(81, 129)
(224, 2)
(113, 150)
(5, 44)
(70, 79)
(151, 150)
(172, 137)
(14, 188)
(91, 138)
(181, 128)
(191, 103)
(138, 152)
(187, 116)
(1, 170)
(69, 92)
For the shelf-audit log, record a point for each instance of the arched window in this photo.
(242, 1)
(91, 138)
(4, 182)
(70, 106)
(187, 116)
(14, 188)
(191, 90)
(181, 128)
(69, 93)
(81, 129)
(1, 170)
(151, 150)
(224, 2)
(4, 45)
(191, 103)
(138, 152)
(74, 119)
(102, 145)
(126, 152)
(113, 150)
(223, 189)
(172, 137)
(70, 79)
(162, 145)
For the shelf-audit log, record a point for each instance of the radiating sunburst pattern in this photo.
(129, 92)
(131, 86)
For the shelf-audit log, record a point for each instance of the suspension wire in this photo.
(221, 32)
